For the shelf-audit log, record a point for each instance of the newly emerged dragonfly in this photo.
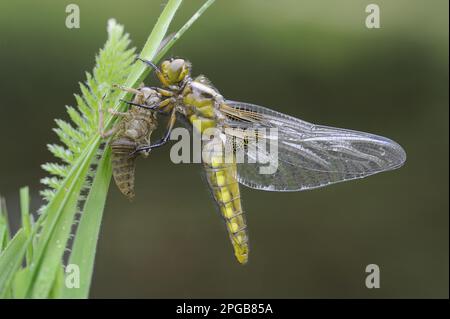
(309, 156)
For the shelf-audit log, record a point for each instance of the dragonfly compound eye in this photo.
(176, 70)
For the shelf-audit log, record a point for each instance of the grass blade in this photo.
(84, 246)
(26, 218)
(56, 229)
(11, 259)
(4, 225)
(183, 29)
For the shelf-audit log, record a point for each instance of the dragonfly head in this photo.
(175, 70)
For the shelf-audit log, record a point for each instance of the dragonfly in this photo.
(308, 155)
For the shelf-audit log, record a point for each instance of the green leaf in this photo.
(58, 284)
(112, 66)
(56, 229)
(20, 283)
(26, 219)
(84, 247)
(183, 29)
(3, 236)
(11, 259)
(4, 225)
(56, 169)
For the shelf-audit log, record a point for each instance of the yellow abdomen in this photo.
(222, 180)
(221, 175)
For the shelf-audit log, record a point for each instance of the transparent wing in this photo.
(308, 156)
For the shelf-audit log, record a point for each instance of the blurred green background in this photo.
(315, 60)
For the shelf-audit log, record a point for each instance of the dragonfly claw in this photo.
(140, 150)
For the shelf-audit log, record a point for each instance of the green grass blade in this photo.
(26, 218)
(160, 29)
(56, 230)
(11, 260)
(4, 225)
(84, 246)
(20, 283)
(3, 236)
(58, 284)
(183, 29)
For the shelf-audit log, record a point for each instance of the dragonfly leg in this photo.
(159, 74)
(159, 107)
(117, 113)
(163, 92)
(164, 139)
(127, 89)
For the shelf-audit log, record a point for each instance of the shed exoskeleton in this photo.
(133, 130)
